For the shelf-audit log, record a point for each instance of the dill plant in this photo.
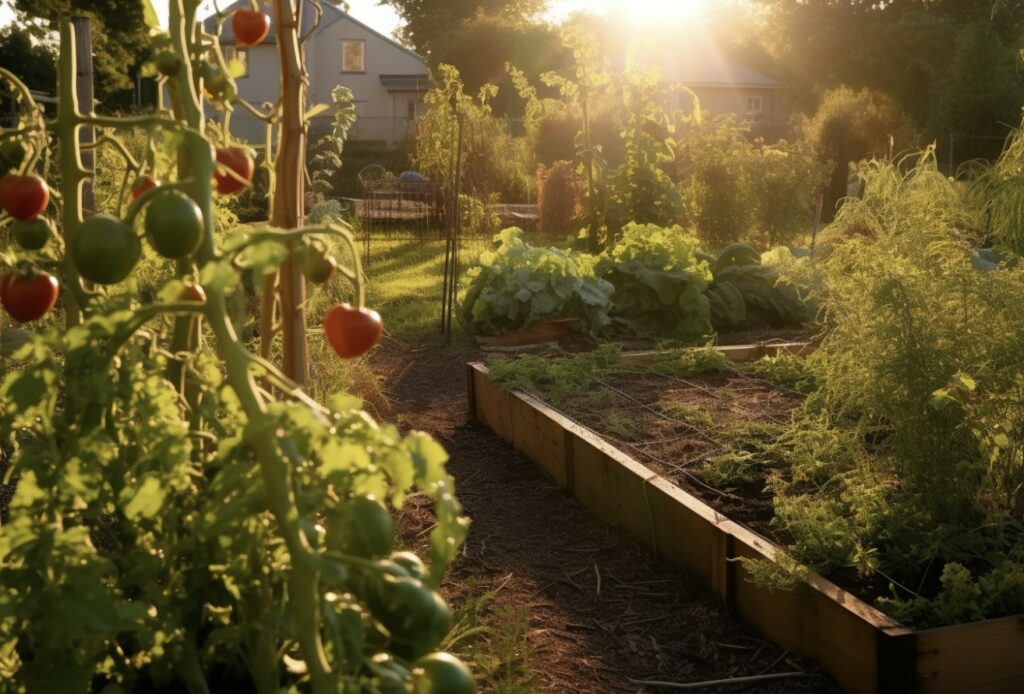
(908, 459)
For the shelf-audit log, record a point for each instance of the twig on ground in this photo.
(717, 683)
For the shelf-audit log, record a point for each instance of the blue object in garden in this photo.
(412, 177)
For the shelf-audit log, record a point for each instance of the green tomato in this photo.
(105, 249)
(32, 235)
(442, 673)
(317, 267)
(13, 152)
(174, 224)
(415, 615)
(361, 526)
(411, 563)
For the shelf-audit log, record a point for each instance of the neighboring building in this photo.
(722, 85)
(387, 79)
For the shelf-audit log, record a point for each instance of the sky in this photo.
(384, 19)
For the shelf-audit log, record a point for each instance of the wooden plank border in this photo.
(859, 646)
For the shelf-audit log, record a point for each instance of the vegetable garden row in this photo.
(887, 461)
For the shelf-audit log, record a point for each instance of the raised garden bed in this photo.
(862, 648)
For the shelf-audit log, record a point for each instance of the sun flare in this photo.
(653, 11)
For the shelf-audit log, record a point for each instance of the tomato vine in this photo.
(183, 509)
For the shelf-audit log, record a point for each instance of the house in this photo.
(387, 79)
(724, 86)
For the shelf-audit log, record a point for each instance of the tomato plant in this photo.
(352, 331)
(250, 26)
(172, 484)
(24, 197)
(28, 297)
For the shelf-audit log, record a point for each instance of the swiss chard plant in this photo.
(186, 516)
(519, 284)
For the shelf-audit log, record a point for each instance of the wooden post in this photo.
(288, 206)
(84, 89)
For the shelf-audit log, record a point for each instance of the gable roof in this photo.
(697, 62)
(331, 14)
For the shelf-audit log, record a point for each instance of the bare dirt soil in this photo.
(603, 614)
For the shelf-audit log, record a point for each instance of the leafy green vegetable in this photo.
(746, 294)
(659, 279)
(518, 285)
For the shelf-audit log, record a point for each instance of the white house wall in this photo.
(382, 114)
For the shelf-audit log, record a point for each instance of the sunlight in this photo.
(655, 11)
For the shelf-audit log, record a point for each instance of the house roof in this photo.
(405, 83)
(331, 14)
(715, 71)
(698, 62)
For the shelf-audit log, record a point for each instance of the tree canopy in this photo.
(119, 34)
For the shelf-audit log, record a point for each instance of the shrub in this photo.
(852, 125)
(738, 189)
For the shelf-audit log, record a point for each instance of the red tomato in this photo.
(142, 185)
(352, 331)
(24, 197)
(235, 159)
(28, 298)
(250, 26)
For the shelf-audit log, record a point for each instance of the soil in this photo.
(674, 426)
(603, 614)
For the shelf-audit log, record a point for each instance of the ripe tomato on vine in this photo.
(352, 331)
(29, 297)
(24, 197)
(233, 160)
(250, 26)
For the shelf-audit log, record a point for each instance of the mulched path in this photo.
(603, 613)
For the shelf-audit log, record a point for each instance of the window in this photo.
(353, 56)
(410, 110)
(754, 106)
(241, 55)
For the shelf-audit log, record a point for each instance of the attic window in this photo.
(353, 56)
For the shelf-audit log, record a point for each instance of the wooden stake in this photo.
(288, 206)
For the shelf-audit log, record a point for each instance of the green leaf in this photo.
(147, 500)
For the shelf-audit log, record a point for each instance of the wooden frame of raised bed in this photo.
(861, 648)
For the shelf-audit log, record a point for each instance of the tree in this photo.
(34, 63)
(120, 35)
(480, 47)
(429, 22)
(949, 64)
